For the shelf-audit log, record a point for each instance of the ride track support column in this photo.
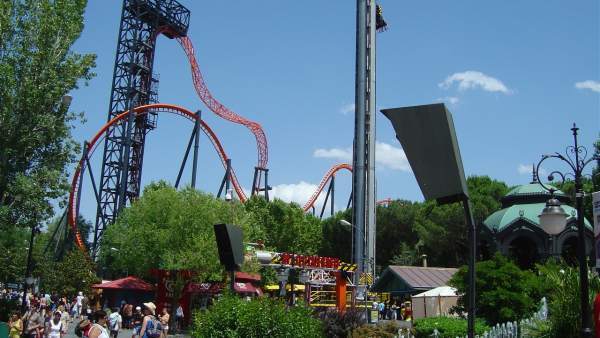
(196, 144)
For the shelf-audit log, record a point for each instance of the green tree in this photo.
(442, 229)
(73, 274)
(14, 243)
(504, 291)
(283, 227)
(169, 229)
(37, 68)
(396, 235)
(336, 239)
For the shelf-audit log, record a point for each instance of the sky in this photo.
(514, 74)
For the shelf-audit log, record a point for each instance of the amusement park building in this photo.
(515, 229)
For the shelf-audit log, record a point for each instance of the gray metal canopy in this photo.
(428, 138)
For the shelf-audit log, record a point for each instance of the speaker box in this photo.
(229, 243)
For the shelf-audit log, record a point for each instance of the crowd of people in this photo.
(49, 316)
(393, 310)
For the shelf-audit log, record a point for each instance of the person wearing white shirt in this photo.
(115, 322)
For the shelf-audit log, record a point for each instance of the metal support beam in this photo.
(81, 174)
(329, 192)
(185, 157)
(472, 232)
(332, 187)
(196, 144)
(225, 183)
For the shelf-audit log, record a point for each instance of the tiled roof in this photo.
(423, 278)
(127, 283)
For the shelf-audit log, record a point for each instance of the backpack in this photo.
(156, 330)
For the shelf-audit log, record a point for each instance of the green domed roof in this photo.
(532, 189)
(503, 218)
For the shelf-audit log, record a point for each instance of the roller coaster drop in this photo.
(133, 110)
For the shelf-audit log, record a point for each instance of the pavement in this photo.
(123, 334)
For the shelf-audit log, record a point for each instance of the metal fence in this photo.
(516, 329)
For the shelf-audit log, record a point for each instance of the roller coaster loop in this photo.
(121, 118)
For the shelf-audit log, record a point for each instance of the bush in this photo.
(387, 330)
(499, 298)
(564, 312)
(232, 316)
(341, 325)
(447, 327)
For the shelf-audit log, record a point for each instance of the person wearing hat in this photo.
(150, 325)
(138, 317)
(98, 329)
(55, 327)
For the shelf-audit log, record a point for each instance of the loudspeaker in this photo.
(229, 243)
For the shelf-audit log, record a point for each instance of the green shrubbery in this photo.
(447, 327)
(232, 317)
(500, 298)
(339, 325)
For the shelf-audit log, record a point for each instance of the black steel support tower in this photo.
(133, 85)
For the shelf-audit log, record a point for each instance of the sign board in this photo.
(596, 213)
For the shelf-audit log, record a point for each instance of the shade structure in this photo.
(429, 141)
(435, 302)
(131, 283)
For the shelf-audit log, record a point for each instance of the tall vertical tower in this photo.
(368, 21)
(133, 85)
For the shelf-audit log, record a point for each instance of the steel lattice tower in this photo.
(133, 85)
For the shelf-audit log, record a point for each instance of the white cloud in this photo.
(297, 192)
(344, 155)
(527, 169)
(347, 109)
(386, 156)
(589, 84)
(450, 99)
(473, 79)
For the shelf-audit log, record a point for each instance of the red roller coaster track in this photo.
(218, 108)
(328, 175)
(91, 147)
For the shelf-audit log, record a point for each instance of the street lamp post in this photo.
(28, 278)
(576, 157)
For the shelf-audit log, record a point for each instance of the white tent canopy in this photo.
(443, 291)
(435, 302)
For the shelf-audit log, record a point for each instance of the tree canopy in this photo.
(173, 229)
(37, 68)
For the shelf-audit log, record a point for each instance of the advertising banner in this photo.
(596, 213)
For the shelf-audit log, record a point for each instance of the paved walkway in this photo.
(123, 334)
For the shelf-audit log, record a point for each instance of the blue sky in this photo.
(514, 74)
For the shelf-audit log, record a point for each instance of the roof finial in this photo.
(535, 174)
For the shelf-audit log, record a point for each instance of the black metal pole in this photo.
(183, 162)
(232, 282)
(196, 144)
(266, 184)
(27, 270)
(472, 230)
(586, 327)
(332, 187)
(325, 202)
